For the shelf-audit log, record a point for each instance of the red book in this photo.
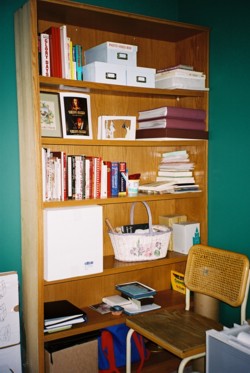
(55, 51)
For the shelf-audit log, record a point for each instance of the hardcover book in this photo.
(154, 133)
(61, 311)
(173, 112)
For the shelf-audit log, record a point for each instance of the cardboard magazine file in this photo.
(73, 354)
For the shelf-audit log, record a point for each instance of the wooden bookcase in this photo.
(160, 43)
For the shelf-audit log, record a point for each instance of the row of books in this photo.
(58, 57)
(81, 177)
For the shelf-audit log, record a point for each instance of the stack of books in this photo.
(135, 298)
(175, 167)
(180, 77)
(61, 315)
(169, 121)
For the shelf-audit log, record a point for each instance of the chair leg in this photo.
(128, 350)
(187, 359)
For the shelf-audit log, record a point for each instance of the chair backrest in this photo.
(218, 273)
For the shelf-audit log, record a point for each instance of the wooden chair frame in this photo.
(221, 274)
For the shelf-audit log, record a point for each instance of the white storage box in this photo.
(185, 235)
(103, 72)
(141, 77)
(228, 350)
(9, 310)
(117, 53)
(73, 242)
(175, 82)
(10, 359)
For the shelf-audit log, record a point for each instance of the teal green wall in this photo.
(229, 151)
(229, 123)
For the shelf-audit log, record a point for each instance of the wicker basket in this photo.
(133, 247)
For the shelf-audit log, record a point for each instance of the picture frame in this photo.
(116, 127)
(76, 115)
(50, 117)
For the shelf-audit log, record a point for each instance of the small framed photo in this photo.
(76, 115)
(50, 115)
(116, 127)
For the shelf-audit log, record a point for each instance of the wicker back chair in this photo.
(221, 274)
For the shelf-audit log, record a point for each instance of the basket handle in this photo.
(148, 211)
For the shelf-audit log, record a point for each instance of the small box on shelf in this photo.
(185, 235)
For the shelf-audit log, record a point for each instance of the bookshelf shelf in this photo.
(112, 266)
(119, 200)
(167, 298)
(58, 84)
(179, 43)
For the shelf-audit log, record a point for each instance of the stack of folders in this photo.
(61, 315)
(135, 298)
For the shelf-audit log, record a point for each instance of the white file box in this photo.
(73, 242)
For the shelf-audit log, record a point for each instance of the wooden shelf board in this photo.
(120, 143)
(118, 200)
(113, 266)
(57, 84)
(95, 17)
(167, 298)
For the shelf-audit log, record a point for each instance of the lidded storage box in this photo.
(117, 53)
(141, 77)
(103, 72)
(149, 245)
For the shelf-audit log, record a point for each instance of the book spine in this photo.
(173, 112)
(79, 177)
(45, 54)
(114, 178)
(69, 176)
(64, 51)
(87, 178)
(78, 59)
(171, 133)
(104, 192)
(122, 179)
(169, 122)
(58, 61)
(97, 174)
(108, 163)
